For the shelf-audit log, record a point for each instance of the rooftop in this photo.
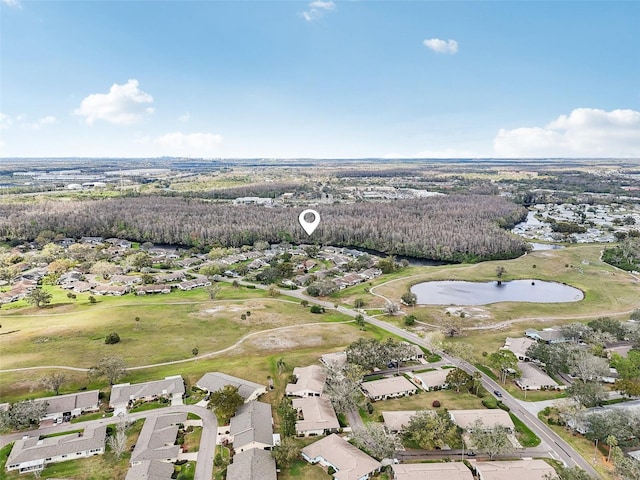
(214, 381)
(157, 438)
(254, 464)
(252, 423)
(520, 469)
(317, 413)
(124, 392)
(349, 461)
(310, 379)
(490, 418)
(432, 471)
(388, 386)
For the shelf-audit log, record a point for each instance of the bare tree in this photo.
(492, 441)
(53, 381)
(391, 308)
(373, 438)
(111, 367)
(118, 440)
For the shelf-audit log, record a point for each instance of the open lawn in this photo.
(302, 470)
(170, 327)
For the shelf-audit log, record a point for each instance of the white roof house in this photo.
(70, 405)
(310, 381)
(533, 378)
(252, 427)
(124, 393)
(318, 416)
(254, 464)
(520, 469)
(490, 418)
(519, 346)
(214, 381)
(349, 462)
(397, 421)
(431, 471)
(336, 359)
(433, 380)
(32, 454)
(156, 442)
(385, 388)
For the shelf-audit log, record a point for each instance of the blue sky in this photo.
(320, 78)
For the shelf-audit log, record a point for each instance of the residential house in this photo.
(252, 464)
(151, 289)
(156, 442)
(117, 290)
(92, 240)
(191, 284)
(466, 419)
(309, 381)
(150, 470)
(520, 469)
(431, 471)
(125, 394)
(189, 262)
(32, 454)
(546, 335)
(65, 407)
(170, 277)
(316, 416)
(532, 378)
(519, 347)
(126, 279)
(214, 381)
(432, 380)
(252, 427)
(336, 359)
(386, 388)
(396, 422)
(349, 462)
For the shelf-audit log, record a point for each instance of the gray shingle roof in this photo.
(121, 394)
(252, 423)
(157, 437)
(32, 448)
(150, 470)
(254, 464)
(67, 403)
(214, 381)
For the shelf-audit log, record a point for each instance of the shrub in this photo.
(435, 404)
(316, 309)
(503, 407)
(489, 403)
(112, 338)
(92, 299)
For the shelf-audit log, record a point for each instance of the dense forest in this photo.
(625, 256)
(450, 228)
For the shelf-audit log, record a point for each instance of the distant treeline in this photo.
(264, 190)
(451, 228)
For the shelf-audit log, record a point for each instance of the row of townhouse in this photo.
(397, 421)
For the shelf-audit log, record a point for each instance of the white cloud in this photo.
(190, 144)
(5, 121)
(11, 3)
(123, 105)
(185, 117)
(441, 46)
(317, 9)
(49, 119)
(585, 132)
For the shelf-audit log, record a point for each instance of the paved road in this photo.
(204, 463)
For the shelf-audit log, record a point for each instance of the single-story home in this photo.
(124, 394)
(432, 380)
(32, 454)
(111, 289)
(396, 422)
(349, 462)
(252, 427)
(465, 419)
(533, 378)
(547, 335)
(65, 407)
(385, 388)
(214, 381)
(125, 279)
(431, 471)
(316, 416)
(170, 277)
(150, 289)
(519, 347)
(191, 284)
(252, 464)
(309, 381)
(520, 469)
(156, 442)
(336, 359)
(150, 470)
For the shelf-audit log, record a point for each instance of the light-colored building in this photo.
(156, 442)
(252, 464)
(546, 335)
(520, 469)
(336, 359)
(316, 416)
(309, 381)
(490, 418)
(431, 471)
(150, 470)
(349, 462)
(396, 422)
(124, 394)
(386, 388)
(533, 378)
(252, 427)
(66, 407)
(32, 454)
(433, 380)
(519, 347)
(214, 381)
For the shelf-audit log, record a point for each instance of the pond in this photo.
(544, 246)
(452, 292)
